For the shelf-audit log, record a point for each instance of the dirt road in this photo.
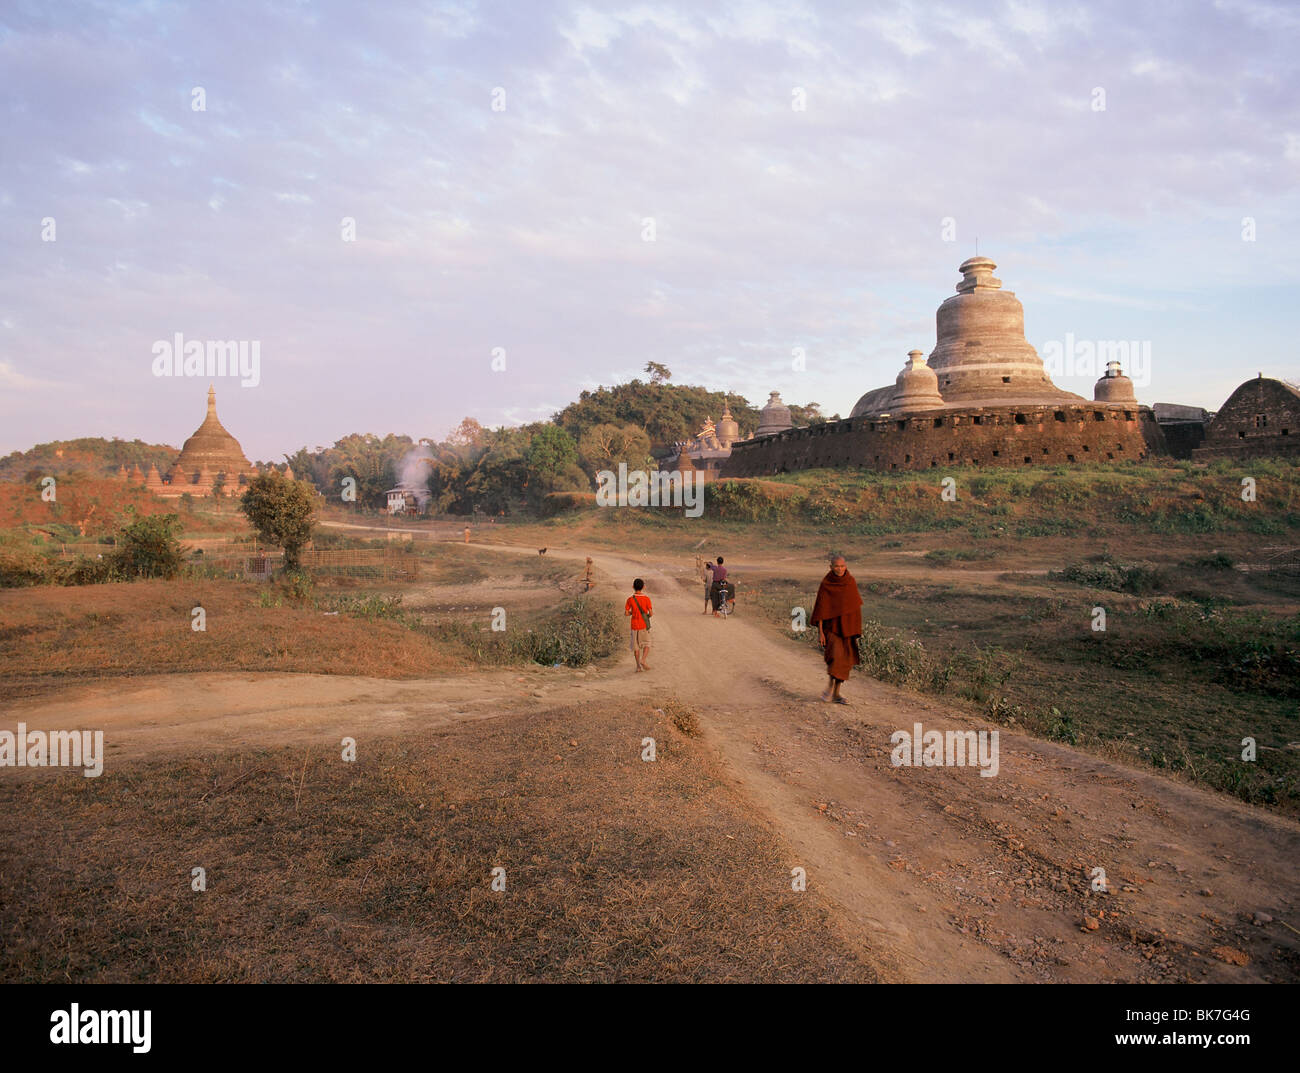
(940, 874)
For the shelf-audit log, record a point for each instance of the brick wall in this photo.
(1183, 437)
(991, 436)
(1260, 419)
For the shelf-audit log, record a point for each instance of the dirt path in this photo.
(941, 875)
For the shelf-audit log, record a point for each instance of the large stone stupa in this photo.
(210, 452)
(981, 357)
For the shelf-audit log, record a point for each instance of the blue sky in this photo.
(522, 226)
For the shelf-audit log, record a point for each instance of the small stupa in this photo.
(728, 431)
(774, 417)
(917, 387)
(1114, 386)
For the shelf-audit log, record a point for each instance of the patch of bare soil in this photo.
(607, 867)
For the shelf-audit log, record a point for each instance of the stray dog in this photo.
(541, 551)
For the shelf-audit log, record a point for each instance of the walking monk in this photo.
(837, 614)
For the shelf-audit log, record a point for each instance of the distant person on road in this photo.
(706, 573)
(837, 614)
(467, 534)
(719, 576)
(638, 606)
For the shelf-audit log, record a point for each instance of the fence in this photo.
(1276, 558)
(386, 563)
(378, 563)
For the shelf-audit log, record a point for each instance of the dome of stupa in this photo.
(982, 357)
(774, 417)
(1114, 386)
(917, 386)
(211, 448)
(728, 431)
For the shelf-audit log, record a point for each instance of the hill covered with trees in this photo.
(667, 413)
(91, 455)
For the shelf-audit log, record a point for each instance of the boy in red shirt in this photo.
(639, 607)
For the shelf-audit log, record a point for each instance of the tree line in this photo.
(475, 468)
(504, 470)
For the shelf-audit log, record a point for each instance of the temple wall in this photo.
(1183, 437)
(981, 436)
(1260, 419)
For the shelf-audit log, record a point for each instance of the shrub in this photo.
(1217, 561)
(682, 716)
(582, 632)
(148, 547)
(964, 555)
(753, 500)
(1104, 572)
(373, 607)
(554, 503)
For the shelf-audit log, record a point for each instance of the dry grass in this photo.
(682, 716)
(379, 870)
(50, 634)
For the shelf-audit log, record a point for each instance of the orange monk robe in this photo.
(838, 610)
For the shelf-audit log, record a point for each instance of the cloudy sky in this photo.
(713, 186)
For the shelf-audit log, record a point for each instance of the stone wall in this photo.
(1260, 419)
(1183, 437)
(989, 436)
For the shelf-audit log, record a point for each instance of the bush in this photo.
(1104, 572)
(21, 567)
(753, 500)
(581, 633)
(682, 716)
(373, 607)
(554, 503)
(1217, 561)
(148, 547)
(963, 555)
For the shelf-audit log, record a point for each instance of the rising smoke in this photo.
(413, 469)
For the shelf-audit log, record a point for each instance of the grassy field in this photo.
(380, 870)
(438, 623)
(1178, 677)
(1102, 502)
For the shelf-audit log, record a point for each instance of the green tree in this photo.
(665, 412)
(605, 446)
(148, 547)
(499, 478)
(811, 414)
(469, 433)
(308, 466)
(281, 511)
(659, 374)
(551, 451)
